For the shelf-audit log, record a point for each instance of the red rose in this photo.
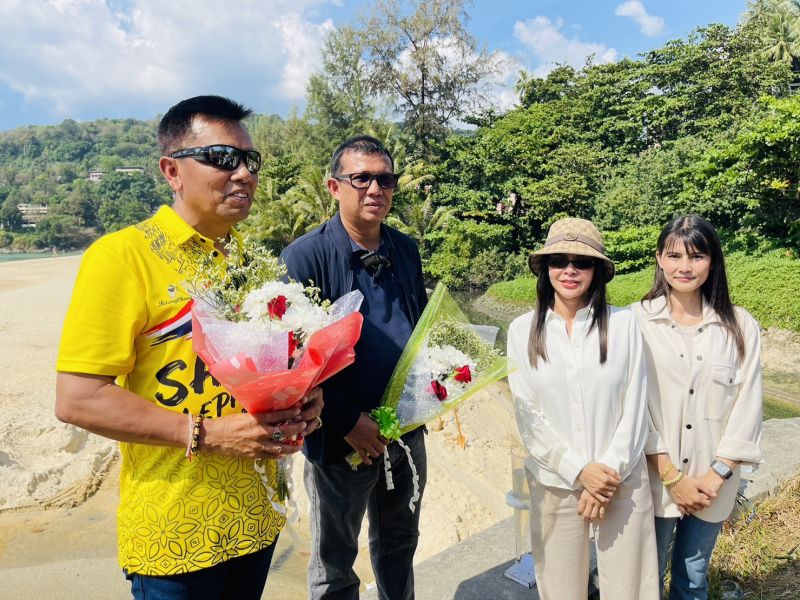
(277, 307)
(439, 390)
(463, 374)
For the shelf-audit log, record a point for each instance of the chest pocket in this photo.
(722, 391)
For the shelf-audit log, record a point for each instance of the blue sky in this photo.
(88, 59)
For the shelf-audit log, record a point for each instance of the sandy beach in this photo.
(58, 484)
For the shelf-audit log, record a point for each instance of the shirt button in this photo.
(691, 392)
(730, 380)
(699, 330)
(215, 253)
(699, 357)
(681, 355)
(685, 460)
(673, 326)
(202, 240)
(688, 426)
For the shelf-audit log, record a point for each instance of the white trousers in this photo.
(626, 542)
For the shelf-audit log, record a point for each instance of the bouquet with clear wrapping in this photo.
(445, 361)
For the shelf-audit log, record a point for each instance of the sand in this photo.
(58, 483)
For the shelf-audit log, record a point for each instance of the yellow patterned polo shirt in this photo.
(130, 317)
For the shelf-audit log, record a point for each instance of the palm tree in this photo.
(274, 221)
(418, 219)
(777, 24)
(311, 195)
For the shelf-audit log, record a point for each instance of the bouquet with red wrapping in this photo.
(268, 341)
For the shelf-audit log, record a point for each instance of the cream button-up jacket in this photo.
(702, 406)
(571, 410)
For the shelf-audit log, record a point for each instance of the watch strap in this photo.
(721, 469)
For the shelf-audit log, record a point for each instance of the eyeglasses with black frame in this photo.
(361, 181)
(224, 157)
(560, 261)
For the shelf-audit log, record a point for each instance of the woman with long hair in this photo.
(704, 396)
(579, 394)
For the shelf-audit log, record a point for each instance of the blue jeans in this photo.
(692, 542)
(242, 578)
(339, 497)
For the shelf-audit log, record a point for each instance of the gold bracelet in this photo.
(666, 471)
(672, 482)
(193, 449)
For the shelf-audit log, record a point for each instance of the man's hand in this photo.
(692, 495)
(590, 508)
(311, 407)
(262, 435)
(599, 480)
(365, 438)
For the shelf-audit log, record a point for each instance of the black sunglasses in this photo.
(361, 181)
(224, 157)
(560, 261)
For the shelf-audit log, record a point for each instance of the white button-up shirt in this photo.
(704, 405)
(571, 410)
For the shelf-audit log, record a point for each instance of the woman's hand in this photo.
(599, 480)
(590, 508)
(692, 494)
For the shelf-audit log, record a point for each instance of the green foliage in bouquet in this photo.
(443, 316)
(449, 332)
(247, 267)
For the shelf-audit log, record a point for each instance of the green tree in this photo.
(312, 197)
(10, 217)
(420, 54)
(274, 221)
(776, 25)
(338, 98)
(420, 219)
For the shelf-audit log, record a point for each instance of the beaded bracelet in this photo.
(192, 450)
(670, 483)
(189, 439)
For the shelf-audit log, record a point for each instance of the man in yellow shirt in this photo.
(126, 370)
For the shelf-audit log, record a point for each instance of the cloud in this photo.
(550, 46)
(648, 24)
(71, 55)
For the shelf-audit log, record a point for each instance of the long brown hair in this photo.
(545, 298)
(698, 235)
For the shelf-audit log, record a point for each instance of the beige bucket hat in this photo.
(572, 236)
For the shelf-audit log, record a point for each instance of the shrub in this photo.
(766, 286)
(631, 249)
(467, 255)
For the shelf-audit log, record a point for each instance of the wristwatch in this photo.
(721, 469)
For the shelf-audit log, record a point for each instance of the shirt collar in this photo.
(657, 310)
(360, 249)
(583, 314)
(179, 230)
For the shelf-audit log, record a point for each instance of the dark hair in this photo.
(359, 144)
(545, 298)
(698, 235)
(177, 123)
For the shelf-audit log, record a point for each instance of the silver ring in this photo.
(319, 422)
(277, 435)
(277, 449)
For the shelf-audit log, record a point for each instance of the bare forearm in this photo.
(102, 407)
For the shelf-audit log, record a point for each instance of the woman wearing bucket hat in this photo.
(579, 394)
(704, 395)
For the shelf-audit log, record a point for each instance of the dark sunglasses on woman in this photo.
(227, 158)
(560, 261)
